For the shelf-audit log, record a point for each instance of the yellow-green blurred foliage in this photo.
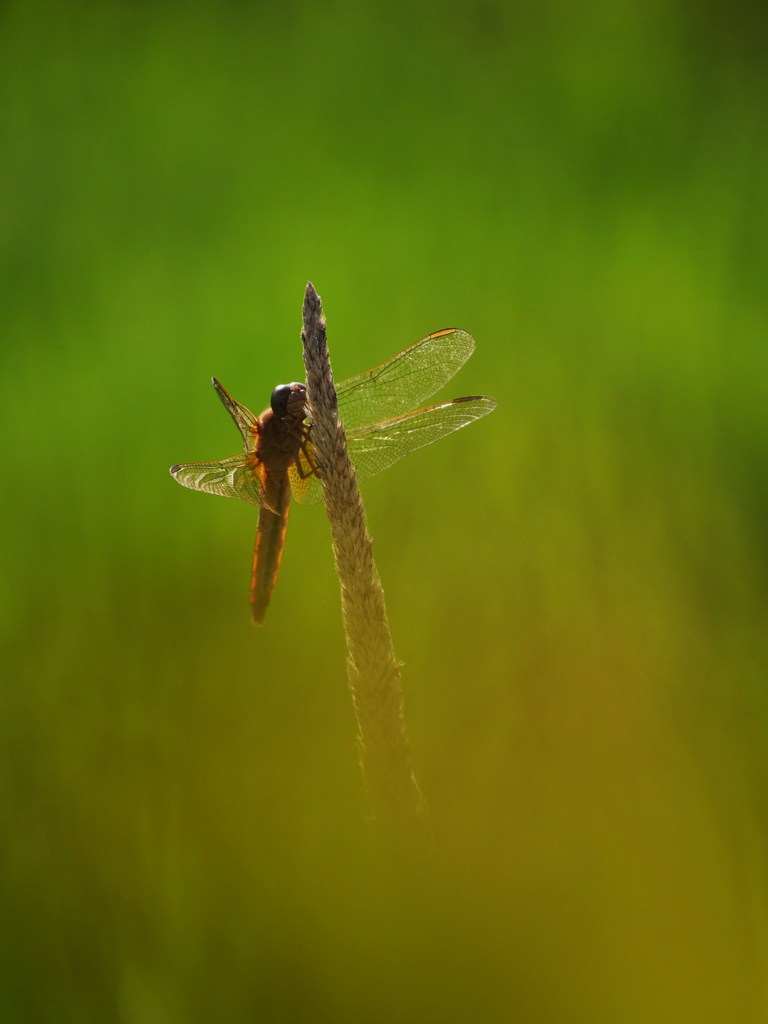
(577, 585)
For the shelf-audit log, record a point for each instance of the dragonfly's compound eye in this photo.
(279, 400)
(289, 400)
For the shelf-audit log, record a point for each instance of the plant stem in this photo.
(399, 811)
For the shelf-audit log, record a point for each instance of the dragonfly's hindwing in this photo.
(235, 477)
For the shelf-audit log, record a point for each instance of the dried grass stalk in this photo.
(399, 810)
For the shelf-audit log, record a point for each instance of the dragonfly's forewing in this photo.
(405, 381)
(235, 477)
(244, 419)
(377, 446)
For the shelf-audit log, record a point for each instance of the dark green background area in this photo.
(577, 585)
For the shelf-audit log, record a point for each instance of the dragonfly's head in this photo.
(289, 400)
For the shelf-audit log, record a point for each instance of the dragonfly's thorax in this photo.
(279, 439)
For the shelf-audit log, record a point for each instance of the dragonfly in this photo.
(376, 408)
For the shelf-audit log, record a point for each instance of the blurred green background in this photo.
(577, 585)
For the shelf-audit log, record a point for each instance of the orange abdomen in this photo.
(270, 541)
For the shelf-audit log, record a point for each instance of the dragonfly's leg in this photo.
(309, 456)
(304, 474)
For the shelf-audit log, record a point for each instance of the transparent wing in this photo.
(378, 446)
(406, 380)
(244, 419)
(235, 477)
